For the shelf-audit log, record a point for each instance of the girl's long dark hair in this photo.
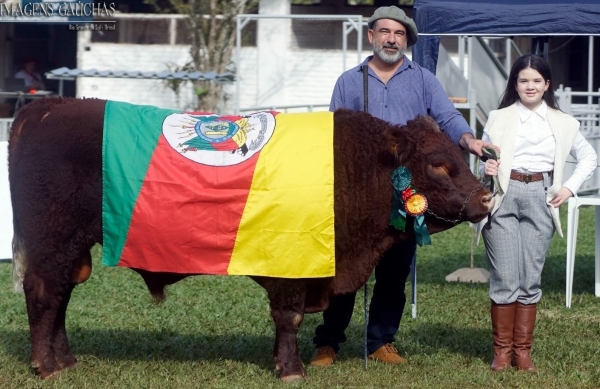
(510, 95)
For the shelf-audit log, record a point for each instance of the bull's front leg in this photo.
(286, 298)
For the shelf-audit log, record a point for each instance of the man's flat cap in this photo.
(398, 15)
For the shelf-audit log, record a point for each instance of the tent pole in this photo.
(461, 53)
(590, 68)
(508, 58)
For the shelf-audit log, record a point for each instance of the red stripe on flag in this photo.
(187, 214)
(227, 145)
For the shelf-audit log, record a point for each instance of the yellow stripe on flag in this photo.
(287, 228)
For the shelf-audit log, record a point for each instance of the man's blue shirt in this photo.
(410, 92)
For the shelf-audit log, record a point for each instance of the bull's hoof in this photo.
(48, 374)
(293, 378)
(68, 362)
(45, 371)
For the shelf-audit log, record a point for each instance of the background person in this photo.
(31, 78)
(535, 138)
(399, 90)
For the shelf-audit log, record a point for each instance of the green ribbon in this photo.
(421, 232)
(401, 179)
(398, 216)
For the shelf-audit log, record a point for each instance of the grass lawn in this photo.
(216, 332)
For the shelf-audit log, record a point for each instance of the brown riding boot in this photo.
(523, 336)
(503, 318)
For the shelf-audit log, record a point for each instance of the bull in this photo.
(55, 160)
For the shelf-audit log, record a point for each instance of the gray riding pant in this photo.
(517, 238)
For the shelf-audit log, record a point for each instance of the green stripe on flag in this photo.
(131, 133)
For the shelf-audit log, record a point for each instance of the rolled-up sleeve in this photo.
(337, 98)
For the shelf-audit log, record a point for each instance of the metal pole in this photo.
(345, 26)
(413, 281)
(238, 48)
(359, 38)
(366, 302)
(461, 54)
(508, 58)
(590, 68)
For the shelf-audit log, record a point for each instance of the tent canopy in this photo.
(507, 17)
(539, 18)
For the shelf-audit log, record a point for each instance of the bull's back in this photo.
(55, 168)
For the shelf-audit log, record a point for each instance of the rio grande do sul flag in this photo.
(203, 194)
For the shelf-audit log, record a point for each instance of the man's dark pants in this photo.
(385, 310)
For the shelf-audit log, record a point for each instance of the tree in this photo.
(211, 25)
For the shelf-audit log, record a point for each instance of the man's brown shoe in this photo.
(387, 354)
(324, 356)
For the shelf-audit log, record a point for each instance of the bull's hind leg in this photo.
(80, 272)
(47, 295)
(62, 350)
(44, 299)
(286, 298)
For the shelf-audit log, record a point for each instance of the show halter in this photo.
(406, 201)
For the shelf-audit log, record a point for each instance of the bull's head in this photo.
(439, 172)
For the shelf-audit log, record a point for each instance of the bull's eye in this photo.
(440, 167)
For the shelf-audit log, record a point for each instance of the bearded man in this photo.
(399, 90)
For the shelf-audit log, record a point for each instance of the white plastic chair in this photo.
(572, 223)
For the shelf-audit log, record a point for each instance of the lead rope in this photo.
(488, 153)
(365, 70)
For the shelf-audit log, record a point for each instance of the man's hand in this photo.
(469, 142)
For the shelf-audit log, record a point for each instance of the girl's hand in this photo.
(563, 195)
(491, 167)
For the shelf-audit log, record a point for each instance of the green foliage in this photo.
(200, 92)
(211, 26)
(216, 332)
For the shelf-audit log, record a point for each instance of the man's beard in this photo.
(388, 57)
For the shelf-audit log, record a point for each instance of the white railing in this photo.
(4, 128)
(588, 115)
(287, 108)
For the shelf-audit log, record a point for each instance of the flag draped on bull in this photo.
(206, 194)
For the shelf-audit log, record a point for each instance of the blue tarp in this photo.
(499, 18)
(507, 17)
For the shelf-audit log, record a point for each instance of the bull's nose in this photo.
(488, 201)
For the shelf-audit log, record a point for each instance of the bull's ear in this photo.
(398, 143)
(432, 124)
(423, 123)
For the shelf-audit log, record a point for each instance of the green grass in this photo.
(216, 332)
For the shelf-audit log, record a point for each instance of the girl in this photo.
(535, 138)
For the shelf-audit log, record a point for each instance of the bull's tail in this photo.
(19, 262)
(19, 259)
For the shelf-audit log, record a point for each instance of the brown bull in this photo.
(55, 160)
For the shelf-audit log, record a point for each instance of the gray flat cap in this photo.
(398, 15)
